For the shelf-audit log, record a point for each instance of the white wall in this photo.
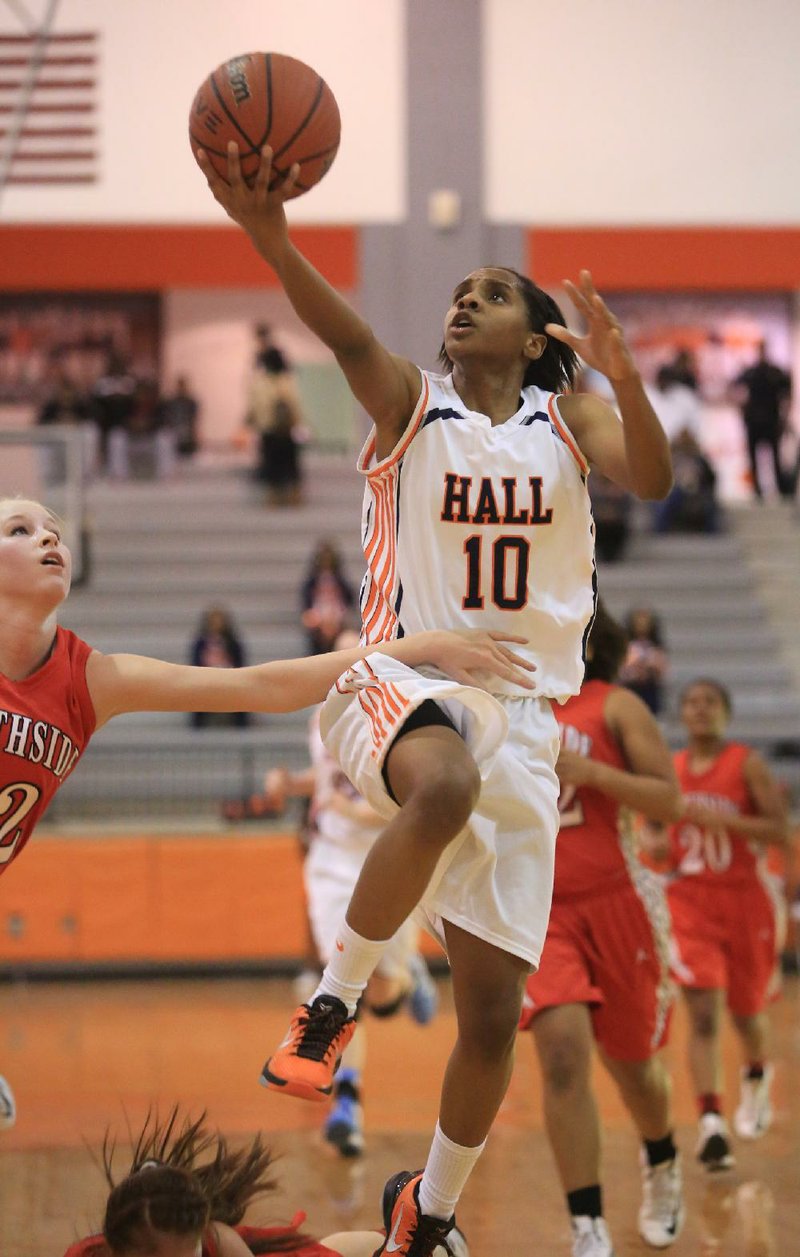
(153, 56)
(642, 111)
(208, 337)
(598, 111)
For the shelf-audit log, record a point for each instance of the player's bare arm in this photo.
(122, 683)
(386, 385)
(634, 454)
(769, 827)
(649, 785)
(354, 1243)
(229, 1244)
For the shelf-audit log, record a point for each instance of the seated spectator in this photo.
(611, 509)
(677, 406)
(691, 505)
(683, 369)
(646, 663)
(113, 399)
(326, 598)
(67, 406)
(141, 445)
(218, 645)
(179, 415)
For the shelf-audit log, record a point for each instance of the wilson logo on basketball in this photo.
(237, 77)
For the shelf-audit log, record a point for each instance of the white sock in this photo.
(350, 967)
(448, 1168)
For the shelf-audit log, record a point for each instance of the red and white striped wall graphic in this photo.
(48, 101)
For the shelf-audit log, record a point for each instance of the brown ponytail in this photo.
(168, 1190)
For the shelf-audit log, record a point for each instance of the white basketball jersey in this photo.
(466, 525)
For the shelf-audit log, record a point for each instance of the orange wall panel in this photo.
(39, 905)
(114, 896)
(266, 883)
(154, 898)
(668, 258)
(137, 258)
(157, 899)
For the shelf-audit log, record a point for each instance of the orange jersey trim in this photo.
(368, 452)
(567, 437)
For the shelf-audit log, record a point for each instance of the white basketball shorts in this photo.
(495, 880)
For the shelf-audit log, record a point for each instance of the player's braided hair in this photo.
(182, 1177)
(555, 369)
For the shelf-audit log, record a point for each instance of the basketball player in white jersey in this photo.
(343, 828)
(476, 513)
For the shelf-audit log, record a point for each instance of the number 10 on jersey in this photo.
(498, 569)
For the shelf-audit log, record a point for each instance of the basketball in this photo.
(267, 98)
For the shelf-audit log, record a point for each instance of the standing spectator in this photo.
(268, 356)
(763, 392)
(677, 406)
(218, 645)
(179, 413)
(646, 662)
(273, 410)
(326, 597)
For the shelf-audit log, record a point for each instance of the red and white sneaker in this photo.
(713, 1148)
(308, 1058)
(410, 1232)
(753, 1117)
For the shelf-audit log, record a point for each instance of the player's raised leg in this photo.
(434, 778)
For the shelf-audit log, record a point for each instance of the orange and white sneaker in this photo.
(308, 1058)
(409, 1232)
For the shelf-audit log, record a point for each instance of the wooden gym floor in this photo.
(81, 1055)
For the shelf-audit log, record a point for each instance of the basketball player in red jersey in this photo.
(724, 912)
(476, 509)
(604, 970)
(185, 1194)
(55, 691)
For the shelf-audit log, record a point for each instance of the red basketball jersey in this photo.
(715, 855)
(46, 722)
(250, 1234)
(592, 850)
(95, 1246)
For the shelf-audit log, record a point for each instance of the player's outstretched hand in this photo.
(254, 207)
(466, 653)
(603, 346)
